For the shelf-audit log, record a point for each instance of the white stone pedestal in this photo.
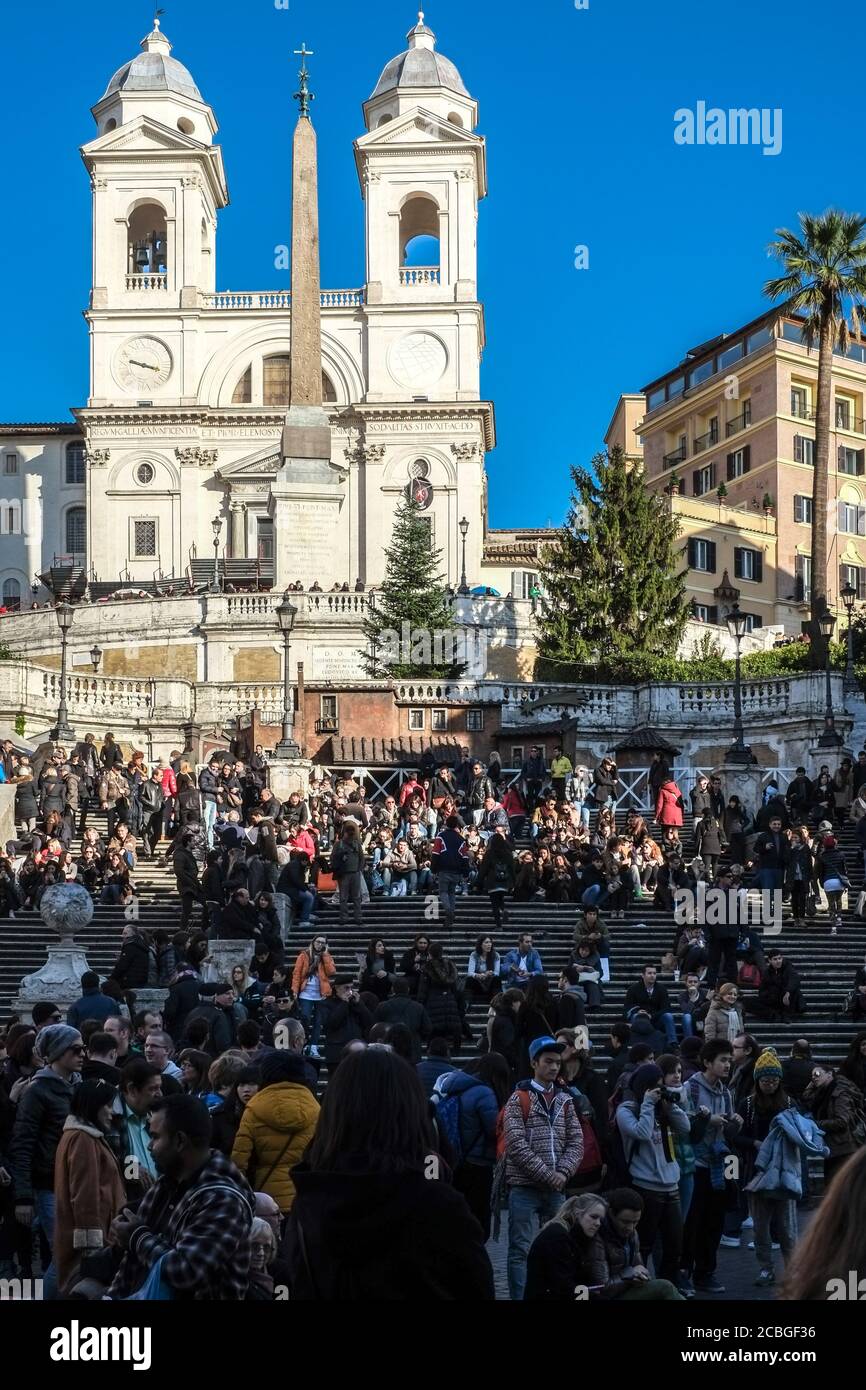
(223, 956)
(59, 982)
(287, 775)
(742, 780)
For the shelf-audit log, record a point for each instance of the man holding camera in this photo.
(345, 1018)
(649, 1126)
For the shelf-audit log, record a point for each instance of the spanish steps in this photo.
(826, 963)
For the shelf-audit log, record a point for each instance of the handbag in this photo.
(155, 1288)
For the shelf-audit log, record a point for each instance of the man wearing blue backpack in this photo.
(543, 1145)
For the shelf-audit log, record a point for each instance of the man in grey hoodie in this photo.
(649, 1126)
(706, 1218)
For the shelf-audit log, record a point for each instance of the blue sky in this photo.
(578, 109)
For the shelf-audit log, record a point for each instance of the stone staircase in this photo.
(826, 964)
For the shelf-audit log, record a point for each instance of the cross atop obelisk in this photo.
(304, 96)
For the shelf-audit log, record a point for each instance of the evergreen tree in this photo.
(410, 629)
(614, 590)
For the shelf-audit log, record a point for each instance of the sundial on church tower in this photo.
(418, 359)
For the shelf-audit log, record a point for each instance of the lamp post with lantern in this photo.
(830, 738)
(848, 595)
(738, 752)
(286, 614)
(62, 732)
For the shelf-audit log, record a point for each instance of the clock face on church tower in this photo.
(142, 362)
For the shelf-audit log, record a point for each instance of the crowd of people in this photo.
(273, 1134)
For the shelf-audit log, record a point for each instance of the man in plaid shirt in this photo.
(197, 1215)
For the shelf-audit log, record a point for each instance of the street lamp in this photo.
(286, 615)
(849, 596)
(62, 733)
(829, 738)
(95, 658)
(464, 529)
(738, 751)
(217, 525)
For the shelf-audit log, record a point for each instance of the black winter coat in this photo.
(437, 991)
(371, 1237)
(344, 1022)
(42, 1111)
(133, 964)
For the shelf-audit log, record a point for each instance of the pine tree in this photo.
(410, 629)
(614, 587)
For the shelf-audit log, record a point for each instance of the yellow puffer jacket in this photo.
(276, 1128)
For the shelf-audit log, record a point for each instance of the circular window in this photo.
(186, 125)
(145, 473)
(420, 468)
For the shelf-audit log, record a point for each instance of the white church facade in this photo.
(177, 447)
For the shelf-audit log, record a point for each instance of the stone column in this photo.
(238, 530)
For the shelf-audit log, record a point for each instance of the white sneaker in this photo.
(731, 1242)
(752, 1245)
(314, 1052)
(748, 1224)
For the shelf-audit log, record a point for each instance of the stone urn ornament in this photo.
(65, 909)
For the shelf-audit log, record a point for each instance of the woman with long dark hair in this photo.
(496, 875)
(536, 1018)
(195, 1065)
(439, 992)
(831, 1257)
(854, 1066)
(372, 1220)
(379, 969)
(484, 968)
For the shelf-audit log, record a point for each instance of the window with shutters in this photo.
(75, 463)
(10, 464)
(753, 620)
(852, 519)
(76, 530)
(804, 449)
(705, 612)
(438, 720)
(703, 480)
(748, 564)
(844, 413)
(143, 538)
(523, 582)
(800, 402)
(855, 575)
(803, 510)
(474, 721)
(739, 462)
(702, 555)
(517, 755)
(802, 578)
(850, 460)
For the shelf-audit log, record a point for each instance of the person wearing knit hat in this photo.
(649, 1127)
(42, 1111)
(56, 1039)
(768, 1064)
(774, 1217)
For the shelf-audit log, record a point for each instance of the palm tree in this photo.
(825, 280)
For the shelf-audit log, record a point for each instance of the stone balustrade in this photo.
(276, 299)
(147, 282)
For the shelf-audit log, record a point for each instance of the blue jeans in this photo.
(769, 878)
(43, 1205)
(688, 1032)
(594, 895)
(208, 815)
(663, 1021)
(404, 884)
(687, 1187)
(303, 899)
(311, 1017)
(528, 1210)
(448, 884)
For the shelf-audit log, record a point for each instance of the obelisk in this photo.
(307, 494)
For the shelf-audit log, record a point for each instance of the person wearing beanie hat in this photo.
(39, 1120)
(649, 1125)
(276, 1127)
(774, 1217)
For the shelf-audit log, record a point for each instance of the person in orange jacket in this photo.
(311, 986)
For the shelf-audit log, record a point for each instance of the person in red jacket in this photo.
(669, 804)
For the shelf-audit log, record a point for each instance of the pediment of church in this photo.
(417, 127)
(143, 133)
(265, 465)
